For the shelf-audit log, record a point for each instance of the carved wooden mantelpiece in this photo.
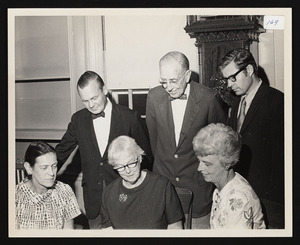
(216, 35)
(224, 36)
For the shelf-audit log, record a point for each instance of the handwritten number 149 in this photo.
(272, 22)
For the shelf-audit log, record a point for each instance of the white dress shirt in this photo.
(102, 127)
(178, 110)
(249, 97)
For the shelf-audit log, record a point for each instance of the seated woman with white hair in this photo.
(139, 199)
(235, 204)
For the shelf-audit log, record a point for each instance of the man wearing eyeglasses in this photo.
(258, 115)
(175, 112)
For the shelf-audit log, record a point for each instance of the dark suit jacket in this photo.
(95, 168)
(262, 155)
(179, 163)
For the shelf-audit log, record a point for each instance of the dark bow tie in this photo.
(182, 97)
(101, 114)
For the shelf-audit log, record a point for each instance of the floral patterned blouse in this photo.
(46, 211)
(236, 206)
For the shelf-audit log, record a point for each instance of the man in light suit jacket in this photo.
(175, 112)
(92, 129)
(262, 129)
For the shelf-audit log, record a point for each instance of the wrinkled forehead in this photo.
(47, 159)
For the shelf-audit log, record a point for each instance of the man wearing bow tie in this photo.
(175, 113)
(92, 129)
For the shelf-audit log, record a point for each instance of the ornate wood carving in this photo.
(216, 35)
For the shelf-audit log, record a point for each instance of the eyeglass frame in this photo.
(128, 165)
(232, 77)
(174, 81)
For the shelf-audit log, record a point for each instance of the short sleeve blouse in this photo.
(47, 211)
(236, 206)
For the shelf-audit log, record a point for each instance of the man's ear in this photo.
(140, 158)
(250, 70)
(28, 168)
(105, 90)
(189, 73)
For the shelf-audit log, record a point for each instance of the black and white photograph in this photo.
(171, 122)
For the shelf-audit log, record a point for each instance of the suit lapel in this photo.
(91, 132)
(167, 116)
(190, 114)
(256, 102)
(116, 120)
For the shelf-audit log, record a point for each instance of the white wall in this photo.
(41, 52)
(134, 45)
(41, 45)
(271, 57)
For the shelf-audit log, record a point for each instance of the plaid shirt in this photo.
(46, 211)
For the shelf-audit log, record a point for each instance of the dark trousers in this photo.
(199, 223)
(95, 224)
(273, 214)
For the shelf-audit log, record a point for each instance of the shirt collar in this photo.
(186, 92)
(108, 106)
(107, 110)
(249, 97)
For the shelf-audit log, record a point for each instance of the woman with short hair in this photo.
(235, 204)
(139, 199)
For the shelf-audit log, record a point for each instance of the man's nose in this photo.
(127, 169)
(51, 171)
(200, 166)
(91, 104)
(229, 83)
(169, 86)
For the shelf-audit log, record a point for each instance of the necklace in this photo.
(137, 183)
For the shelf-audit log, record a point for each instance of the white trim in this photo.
(71, 64)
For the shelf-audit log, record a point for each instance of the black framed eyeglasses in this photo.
(232, 78)
(128, 165)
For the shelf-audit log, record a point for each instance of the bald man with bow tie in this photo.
(175, 112)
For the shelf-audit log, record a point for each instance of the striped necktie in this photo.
(242, 114)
